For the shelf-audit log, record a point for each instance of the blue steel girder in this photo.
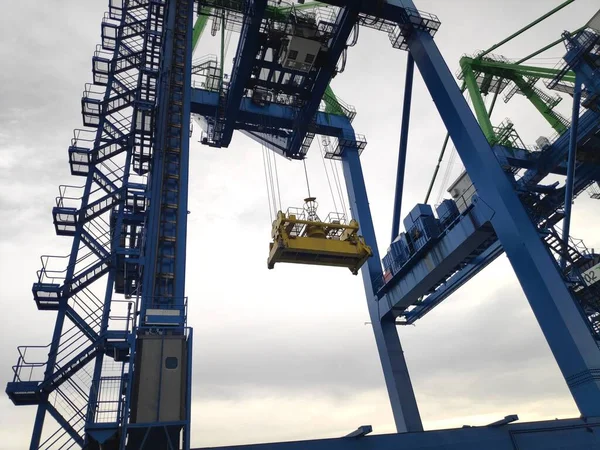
(511, 157)
(554, 157)
(429, 267)
(273, 116)
(566, 434)
(242, 66)
(165, 251)
(562, 323)
(451, 285)
(346, 20)
(268, 140)
(585, 175)
(390, 10)
(579, 59)
(463, 249)
(395, 370)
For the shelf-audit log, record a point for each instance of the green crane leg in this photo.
(332, 106)
(540, 105)
(480, 110)
(200, 25)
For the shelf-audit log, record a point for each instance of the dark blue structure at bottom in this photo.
(568, 434)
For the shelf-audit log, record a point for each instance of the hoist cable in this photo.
(306, 174)
(275, 192)
(267, 184)
(339, 187)
(270, 168)
(328, 178)
(275, 168)
(277, 180)
(449, 167)
(227, 41)
(437, 167)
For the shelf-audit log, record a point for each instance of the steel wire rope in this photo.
(274, 155)
(272, 193)
(355, 33)
(267, 183)
(272, 184)
(449, 166)
(271, 154)
(227, 41)
(306, 174)
(338, 184)
(328, 178)
(446, 177)
(277, 180)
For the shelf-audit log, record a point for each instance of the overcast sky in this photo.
(285, 354)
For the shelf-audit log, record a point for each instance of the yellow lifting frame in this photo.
(317, 243)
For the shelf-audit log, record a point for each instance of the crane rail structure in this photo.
(117, 373)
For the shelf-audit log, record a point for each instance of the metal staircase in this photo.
(79, 378)
(579, 259)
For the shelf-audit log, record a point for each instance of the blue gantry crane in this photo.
(117, 372)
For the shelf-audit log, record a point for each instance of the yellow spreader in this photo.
(300, 237)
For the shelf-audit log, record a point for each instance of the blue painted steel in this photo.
(69, 277)
(163, 288)
(182, 212)
(64, 424)
(391, 10)
(243, 63)
(410, 70)
(571, 168)
(108, 223)
(562, 324)
(550, 159)
(345, 23)
(456, 281)
(152, 266)
(42, 407)
(399, 386)
(580, 61)
(38, 426)
(566, 434)
(437, 257)
(188, 410)
(273, 117)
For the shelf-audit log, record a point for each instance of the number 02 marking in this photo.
(592, 275)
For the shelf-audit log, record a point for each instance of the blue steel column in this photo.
(395, 371)
(248, 46)
(184, 162)
(155, 180)
(38, 425)
(571, 171)
(410, 70)
(567, 334)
